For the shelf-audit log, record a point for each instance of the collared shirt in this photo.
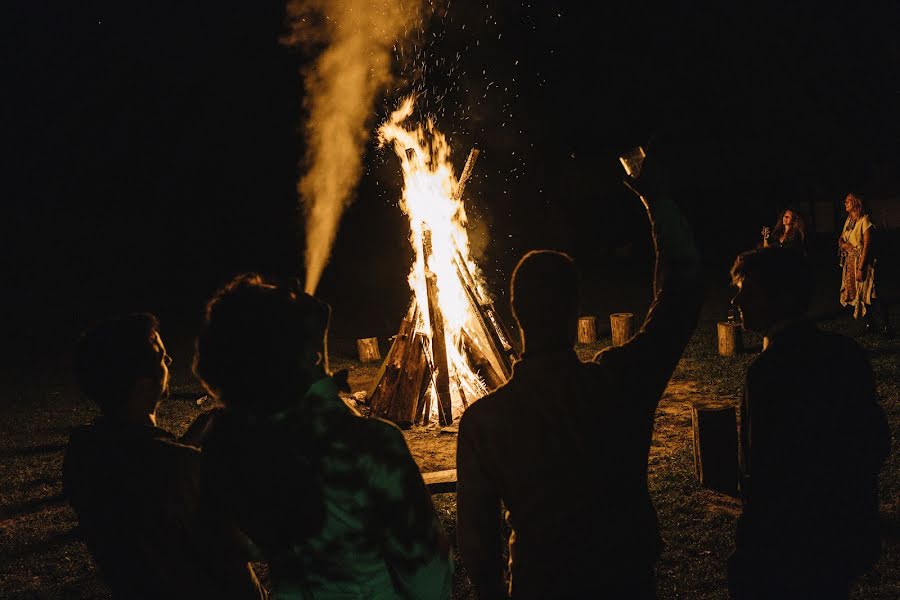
(334, 501)
(134, 488)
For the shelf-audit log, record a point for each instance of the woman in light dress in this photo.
(858, 262)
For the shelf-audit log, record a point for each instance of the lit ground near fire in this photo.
(41, 557)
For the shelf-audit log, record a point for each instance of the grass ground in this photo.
(41, 556)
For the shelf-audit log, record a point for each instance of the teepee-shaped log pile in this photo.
(415, 380)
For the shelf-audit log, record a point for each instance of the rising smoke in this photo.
(355, 39)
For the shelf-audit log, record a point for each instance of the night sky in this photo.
(153, 148)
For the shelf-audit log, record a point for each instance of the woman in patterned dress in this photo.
(858, 262)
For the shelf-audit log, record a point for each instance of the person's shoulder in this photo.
(376, 435)
(865, 222)
(491, 405)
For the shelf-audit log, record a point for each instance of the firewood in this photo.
(480, 363)
(368, 349)
(587, 330)
(403, 410)
(730, 339)
(716, 447)
(622, 325)
(385, 388)
(486, 322)
(466, 173)
(439, 351)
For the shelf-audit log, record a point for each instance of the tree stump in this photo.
(730, 340)
(587, 330)
(368, 349)
(716, 447)
(622, 325)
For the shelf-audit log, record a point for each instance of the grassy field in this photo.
(41, 556)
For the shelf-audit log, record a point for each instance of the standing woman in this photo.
(858, 261)
(790, 232)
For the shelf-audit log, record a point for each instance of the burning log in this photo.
(481, 363)
(368, 349)
(439, 351)
(408, 391)
(382, 392)
(587, 330)
(459, 349)
(622, 325)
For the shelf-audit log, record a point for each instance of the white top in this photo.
(854, 235)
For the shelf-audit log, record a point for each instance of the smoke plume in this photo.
(355, 39)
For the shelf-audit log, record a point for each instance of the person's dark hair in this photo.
(110, 357)
(797, 231)
(257, 340)
(546, 297)
(781, 273)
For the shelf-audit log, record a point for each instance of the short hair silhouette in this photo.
(545, 297)
(110, 357)
(256, 337)
(781, 273)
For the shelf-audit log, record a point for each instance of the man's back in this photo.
(813, 438)
(566, 448)
(134, 490)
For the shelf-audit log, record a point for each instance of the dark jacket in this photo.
(135, 491)
(813, 439)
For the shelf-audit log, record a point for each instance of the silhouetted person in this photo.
(813, 438)
(564, 444)
(134, 487)
(334, 502)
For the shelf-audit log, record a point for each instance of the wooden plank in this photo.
(440, 482)
(439, 352)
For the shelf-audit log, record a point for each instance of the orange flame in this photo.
(434, 211)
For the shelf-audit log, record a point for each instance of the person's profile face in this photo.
(848, 204)
(753, 304)
(788, 219)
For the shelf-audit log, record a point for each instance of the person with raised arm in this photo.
(575, 487)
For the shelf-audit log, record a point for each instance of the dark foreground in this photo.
(41, 556)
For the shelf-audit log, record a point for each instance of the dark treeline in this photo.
(155, 147)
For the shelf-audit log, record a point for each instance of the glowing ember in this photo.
(438, 235)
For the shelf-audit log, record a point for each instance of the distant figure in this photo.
(789, 232)
(333, 502)
(813, 438)
(134, 487)
(564, 444)
(858, 258)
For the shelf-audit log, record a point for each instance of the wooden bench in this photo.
(440, 482)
